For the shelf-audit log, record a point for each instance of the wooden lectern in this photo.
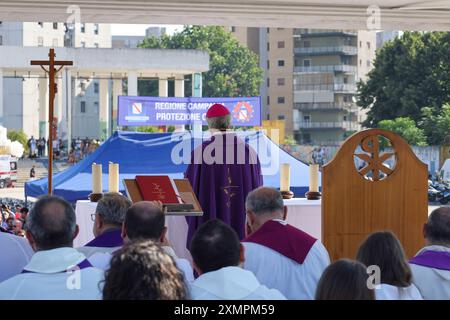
(189, 205)
(362, 194)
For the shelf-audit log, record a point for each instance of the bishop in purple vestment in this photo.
(223, 170)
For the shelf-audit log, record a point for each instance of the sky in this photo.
(139, 29)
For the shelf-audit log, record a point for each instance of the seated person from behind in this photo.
(344, 280)
(431, 265)
(145, 220)
(109, 216)
(142, 270)
(56, 271)
(384, 250)
(280, 255)
(217, 256)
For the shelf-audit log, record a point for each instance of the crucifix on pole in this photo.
(53, 88)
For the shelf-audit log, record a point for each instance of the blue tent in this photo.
(161, 153)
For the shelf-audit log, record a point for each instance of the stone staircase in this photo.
(23, 171)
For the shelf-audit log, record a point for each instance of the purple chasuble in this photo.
(433, 259)
(284, 239)
(82, 265)
(222, 186)
(108, 239)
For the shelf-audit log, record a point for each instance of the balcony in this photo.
(325, 106)
(324, 32)
(345, 50)
(337, 87)
(331, 68)
(345, 125)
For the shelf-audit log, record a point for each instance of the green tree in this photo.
(436, 126)
(19, 136)
(405, 127)
(409, 74)
(234, 69)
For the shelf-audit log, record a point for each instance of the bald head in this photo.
(144, 220)
(437, 229)
(265, 201)
(51, 224)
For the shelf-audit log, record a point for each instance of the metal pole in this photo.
(52, 88)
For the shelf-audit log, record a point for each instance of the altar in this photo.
(302, 213)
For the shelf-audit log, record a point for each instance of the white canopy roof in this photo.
(332, 14)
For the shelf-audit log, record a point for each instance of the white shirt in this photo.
(102, 260)
(293, 280)
(231, 283)
(48, 279)
(15, 253)
(90, 251)
(389, 292)
(433, 284)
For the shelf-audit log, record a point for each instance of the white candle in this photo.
(97, 178)
(113, 177)
(314, 177)
(285, 177)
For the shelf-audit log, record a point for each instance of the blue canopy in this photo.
(161, 153)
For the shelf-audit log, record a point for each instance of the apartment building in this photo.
(310, 79)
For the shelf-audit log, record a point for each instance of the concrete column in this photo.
(67, 107)
(59, 104)
(197, 92)
(43, 108)
(117, 91)
(179, 92)
(104, 108)
(163, 88)
(1, 96)
(132, 83)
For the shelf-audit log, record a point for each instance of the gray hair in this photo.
(264, 200)
(113, 208)
(52, 223)
(219, 123)
(437, 229)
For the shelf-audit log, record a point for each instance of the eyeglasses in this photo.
(93, 216)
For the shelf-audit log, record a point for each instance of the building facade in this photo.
(310, 79)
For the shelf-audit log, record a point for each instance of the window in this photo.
(268, 64)
(306, 44)
(96, 28)
(307, 138)
(280, 100)
(83, 28)
(345, 99)
(280, 44)
(55, 42)
(360, 62)
(368, 63)
(281, 63)
(96, 109)
(83, 106)
(307, 118)
(345, 80)
(55, 25)
(268, 30)
(83, 44)
(360, 44)
(96, 87)
(40, 41)
(268, 46)
(268, 82)
(268, 100)
(1, 40)
(281, 117)
(307, 63)
(368, 45)
(280, 81)
(344, 118)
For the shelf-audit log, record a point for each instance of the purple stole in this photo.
(82, 265)
(433, 259)
(284, 239)
(108, 239)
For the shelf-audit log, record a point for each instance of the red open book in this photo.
(157, 188)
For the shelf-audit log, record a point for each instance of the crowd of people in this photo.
(80, 148)
(131, 257)
(13, 220)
